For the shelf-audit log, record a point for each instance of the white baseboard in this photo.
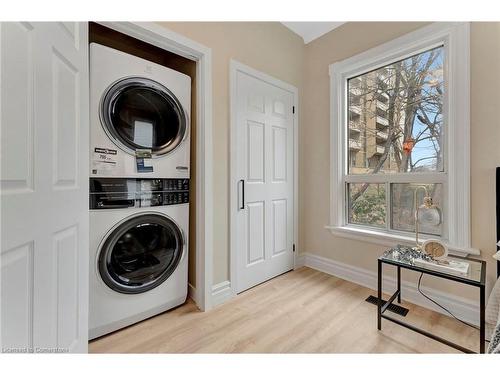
(221, 293)
(464, 309)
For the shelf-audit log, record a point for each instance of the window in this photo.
(400, 119)
(400, 134)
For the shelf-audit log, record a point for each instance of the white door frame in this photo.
(166, 39)
(236, 67)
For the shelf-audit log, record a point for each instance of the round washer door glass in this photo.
(139, 113)
(140, 254)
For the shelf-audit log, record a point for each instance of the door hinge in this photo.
(293, 247)
(293, 109)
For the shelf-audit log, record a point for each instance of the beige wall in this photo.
(485, 136)
(273, 49)
(266, 46)
(351, 39)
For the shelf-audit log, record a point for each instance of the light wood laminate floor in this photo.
(303, 311)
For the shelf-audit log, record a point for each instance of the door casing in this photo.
(236, 67)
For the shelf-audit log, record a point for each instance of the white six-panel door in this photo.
(263, 179)
(44, 186)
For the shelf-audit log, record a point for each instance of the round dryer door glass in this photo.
(140, 254)
(138, 113)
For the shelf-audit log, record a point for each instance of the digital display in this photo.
(150, 185)
(131, 192)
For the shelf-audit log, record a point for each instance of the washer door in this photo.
(139, 113)
(140, 254)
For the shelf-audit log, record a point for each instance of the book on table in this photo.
(446, 265)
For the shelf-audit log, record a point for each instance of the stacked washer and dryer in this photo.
(139, 189)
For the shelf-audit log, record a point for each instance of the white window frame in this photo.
(456, 178)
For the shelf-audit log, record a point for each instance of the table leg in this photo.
(379, 306)
(399, 284)
(482, 306)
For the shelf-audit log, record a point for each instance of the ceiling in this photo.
(311, 30)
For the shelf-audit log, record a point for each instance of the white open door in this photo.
(44, 187)
(263, 177)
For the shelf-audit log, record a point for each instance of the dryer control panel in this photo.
(112, 193)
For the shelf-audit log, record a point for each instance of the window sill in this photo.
(390, 239)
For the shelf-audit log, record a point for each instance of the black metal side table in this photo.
(404, 257)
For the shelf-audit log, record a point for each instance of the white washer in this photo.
(138, 250)
(137, 106)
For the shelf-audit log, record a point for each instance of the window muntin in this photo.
(394, 129)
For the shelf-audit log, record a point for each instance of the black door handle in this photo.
(242, 207)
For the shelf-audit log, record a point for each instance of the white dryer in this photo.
(139, 117)
(138, 250)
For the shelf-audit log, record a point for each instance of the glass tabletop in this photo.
(469, 270)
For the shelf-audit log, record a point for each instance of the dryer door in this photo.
(141, 253)
(139, 113)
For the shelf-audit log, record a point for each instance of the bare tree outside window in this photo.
(395, 125)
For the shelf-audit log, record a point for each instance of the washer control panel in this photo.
(112, 193)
